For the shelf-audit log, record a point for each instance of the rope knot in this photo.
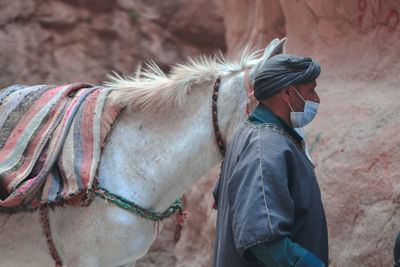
(180, 219)
(106, 196)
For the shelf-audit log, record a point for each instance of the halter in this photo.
(214, 111)
(251, 102)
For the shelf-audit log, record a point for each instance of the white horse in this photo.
(161, 145)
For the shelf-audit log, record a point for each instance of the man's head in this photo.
(285, 82)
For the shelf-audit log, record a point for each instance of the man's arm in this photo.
(282, 252)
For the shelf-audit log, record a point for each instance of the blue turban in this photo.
(281, 71)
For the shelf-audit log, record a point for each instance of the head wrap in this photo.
(281, 71)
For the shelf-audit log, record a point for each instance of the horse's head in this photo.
(234, 92)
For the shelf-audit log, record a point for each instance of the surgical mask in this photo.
(302, 118)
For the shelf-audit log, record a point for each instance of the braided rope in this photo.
(214, 108)
(44, 220)
(135, 208)
(119, 201)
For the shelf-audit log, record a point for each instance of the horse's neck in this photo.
(152, 158)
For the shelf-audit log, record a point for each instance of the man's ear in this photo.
(286, 93)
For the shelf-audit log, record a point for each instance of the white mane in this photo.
(151, 88)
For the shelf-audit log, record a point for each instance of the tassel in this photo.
(180, 219)
(156, 224)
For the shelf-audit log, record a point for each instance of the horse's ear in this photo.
(279, 49)
(275, 47)
(271, 47)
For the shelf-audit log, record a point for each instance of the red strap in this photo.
(44, 219)
(180, 219)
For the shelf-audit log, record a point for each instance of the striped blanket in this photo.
(50, 143)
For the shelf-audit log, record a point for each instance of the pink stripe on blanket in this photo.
(87, 137)
(33, 154)
(30, 114)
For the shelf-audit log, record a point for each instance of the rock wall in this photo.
(56, 42)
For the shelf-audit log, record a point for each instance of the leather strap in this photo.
(44, 219)
(214, 111)
(396, 252)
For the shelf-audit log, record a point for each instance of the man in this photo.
(270, 211)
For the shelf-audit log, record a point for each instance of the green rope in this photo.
(135, 208)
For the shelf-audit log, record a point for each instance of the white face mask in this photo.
(302, 118)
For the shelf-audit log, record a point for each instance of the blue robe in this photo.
(267, 191)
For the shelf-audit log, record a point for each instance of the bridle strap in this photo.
(214, 111)
(44, 220)
(251, 103)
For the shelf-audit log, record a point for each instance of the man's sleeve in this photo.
(261, 207)
(282, 252)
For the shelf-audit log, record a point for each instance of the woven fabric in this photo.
(50, 142)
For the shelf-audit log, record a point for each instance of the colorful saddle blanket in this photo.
(50, 142)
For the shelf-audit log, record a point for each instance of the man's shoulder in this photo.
(268, 131)
(250, 135)
(273, 139)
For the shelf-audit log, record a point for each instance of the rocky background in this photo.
(355, 138)
(54, 41)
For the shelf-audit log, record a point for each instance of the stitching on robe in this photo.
(262, 181)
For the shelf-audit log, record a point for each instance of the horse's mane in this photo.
(151, 88)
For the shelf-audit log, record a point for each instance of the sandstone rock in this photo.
(16, 10)
(65, 41)
(254, 22)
